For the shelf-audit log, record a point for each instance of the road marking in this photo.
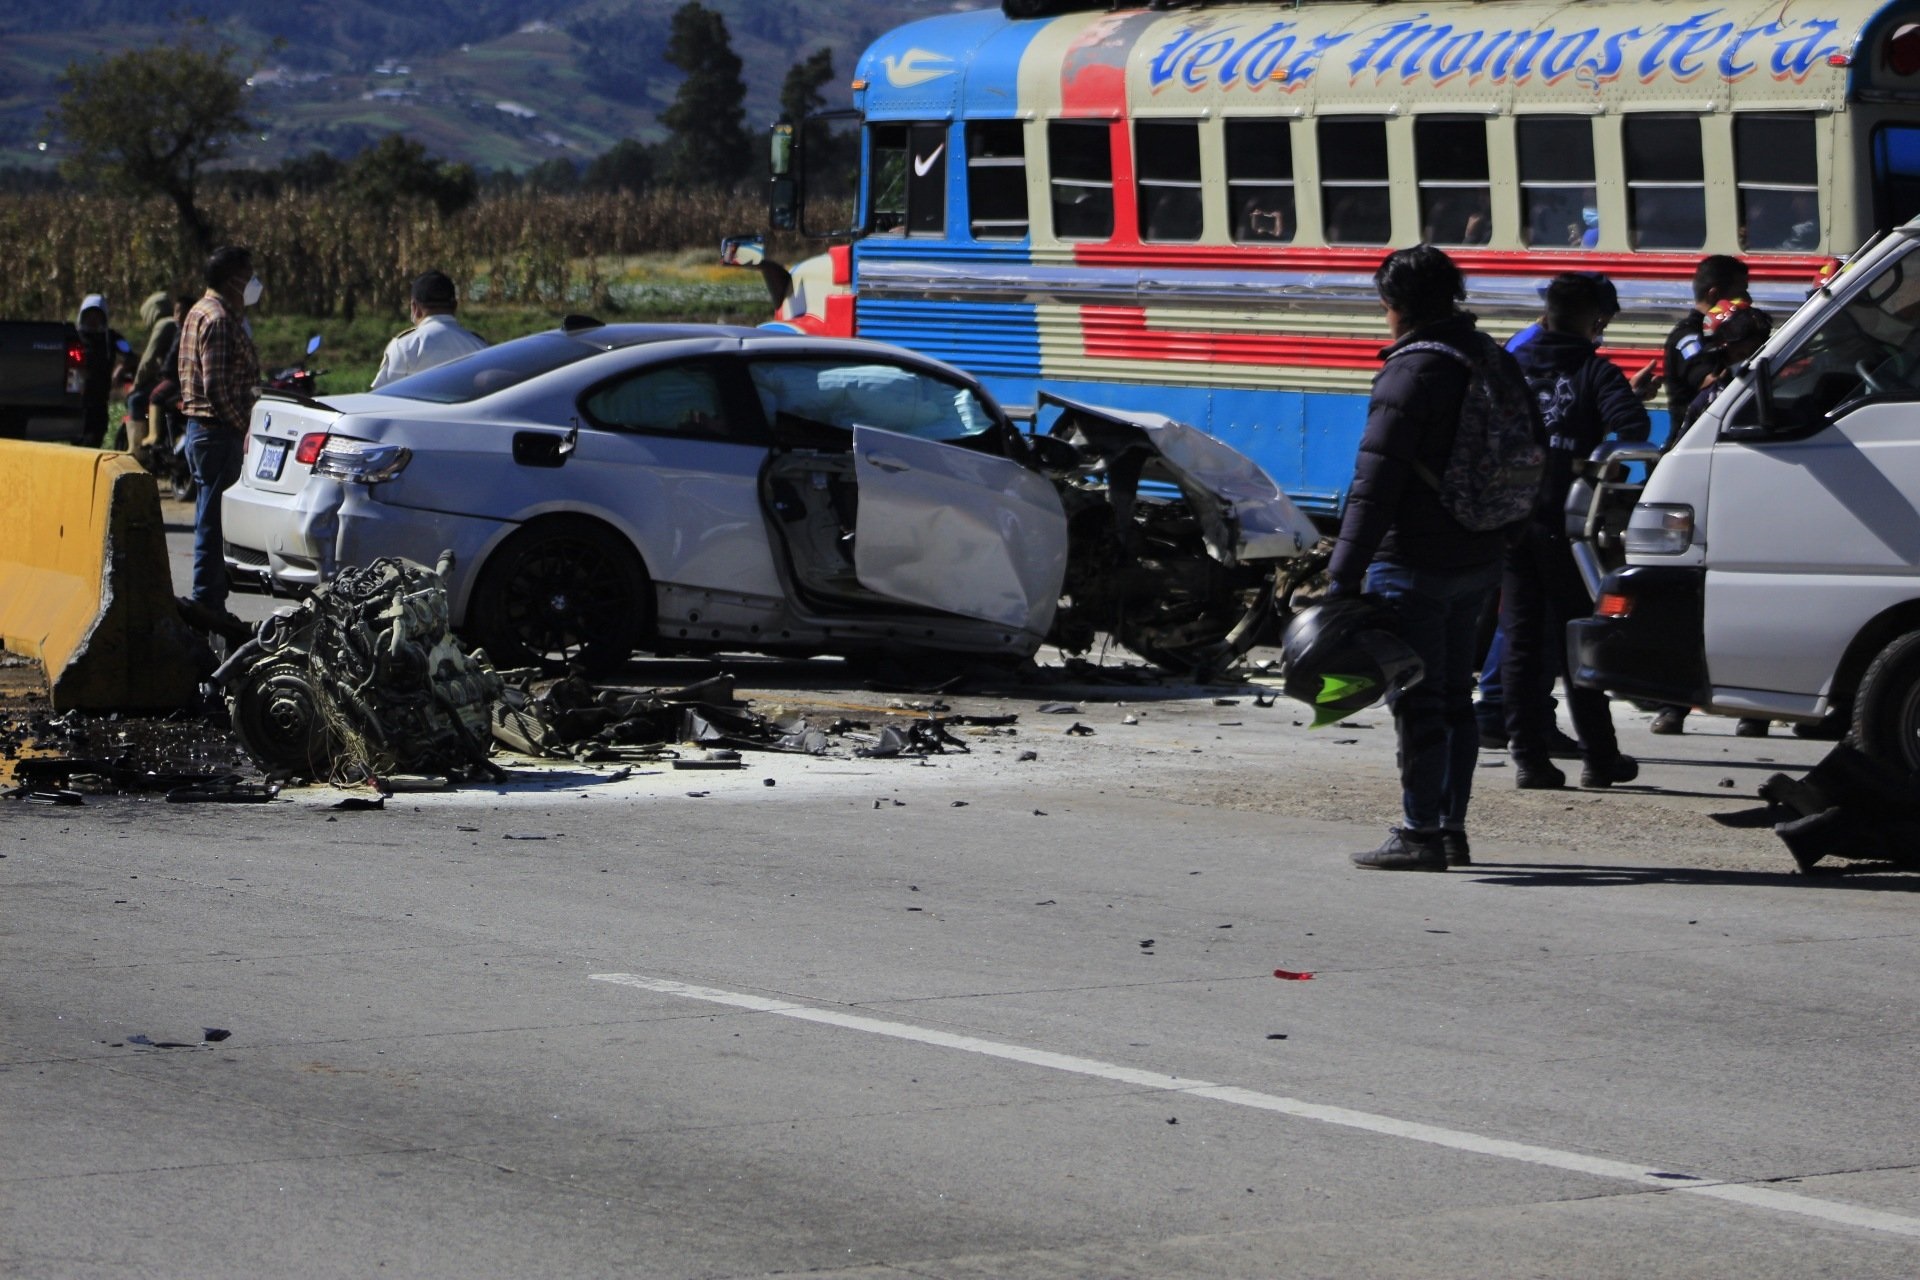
(1758, 1197)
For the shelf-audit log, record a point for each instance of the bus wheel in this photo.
(1886, 712)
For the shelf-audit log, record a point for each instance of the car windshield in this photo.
(493, 369)
(869, 395)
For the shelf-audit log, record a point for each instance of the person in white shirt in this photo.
(436, 337)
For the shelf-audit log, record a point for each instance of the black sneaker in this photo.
(1405, 850)
(1492, 739)
(1604, 773)
(1750, 727)
(1537, 773)
(1670, 720)
(1454, 845)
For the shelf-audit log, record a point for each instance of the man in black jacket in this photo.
(1398, 540)
(1583, 399)
(1687, 359)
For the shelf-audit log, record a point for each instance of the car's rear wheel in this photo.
(1886, 711)
(562, 593)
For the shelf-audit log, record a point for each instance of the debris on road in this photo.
(362, 680)
(1078, 730)
(1292, 976)
(1850, 805)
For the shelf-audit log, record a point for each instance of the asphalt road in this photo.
(978, 1018)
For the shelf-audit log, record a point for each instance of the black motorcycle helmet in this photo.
(1345, 654)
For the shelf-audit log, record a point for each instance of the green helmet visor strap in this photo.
(1336, 689)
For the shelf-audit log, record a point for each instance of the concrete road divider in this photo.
(84, 581)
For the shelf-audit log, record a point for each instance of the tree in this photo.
(708, 142)
(557, 176)
(800, 94)
(151, 120)
(625, 166)
(397, 168)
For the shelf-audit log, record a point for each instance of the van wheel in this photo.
(1886, 712)
(562, 593)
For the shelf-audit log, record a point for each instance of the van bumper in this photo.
(1656, 649)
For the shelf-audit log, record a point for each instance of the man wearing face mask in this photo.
(106, 353)
(219, 382)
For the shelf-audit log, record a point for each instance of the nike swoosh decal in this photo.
(921, 168)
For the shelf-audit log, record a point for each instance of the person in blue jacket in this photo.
(1583, 399)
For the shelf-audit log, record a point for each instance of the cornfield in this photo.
(324, 255)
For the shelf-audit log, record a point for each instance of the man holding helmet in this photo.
(1401, 538)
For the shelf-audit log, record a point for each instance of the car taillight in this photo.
(308, 450)
(76, 356)
(1612, 604)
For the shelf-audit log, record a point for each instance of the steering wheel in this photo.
(1873, 385)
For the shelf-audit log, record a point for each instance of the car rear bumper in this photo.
(300, 540)
(1656, 649)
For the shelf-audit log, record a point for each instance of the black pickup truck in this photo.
(41, 380)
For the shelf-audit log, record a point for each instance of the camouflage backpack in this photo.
(1497, 462)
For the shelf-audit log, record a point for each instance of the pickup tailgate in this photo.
(36, 372)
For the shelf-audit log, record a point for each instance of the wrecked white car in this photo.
(603, 489)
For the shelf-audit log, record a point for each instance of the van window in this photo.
(1166, 158)
(1356, 201)
(1080, 171)
(908, 191)
(1666, 182)
(1778, 174)
(1557, 197)
(997, 179)
(1260, 180)
(1870, 347)
(1450, 158)
(1896, 174)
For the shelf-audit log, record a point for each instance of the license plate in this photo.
(273, 456)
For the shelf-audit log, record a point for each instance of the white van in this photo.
(1773, 562)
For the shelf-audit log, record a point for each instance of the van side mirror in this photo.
(1763, 392)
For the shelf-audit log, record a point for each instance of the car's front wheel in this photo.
(562, 593)
(1886, 712)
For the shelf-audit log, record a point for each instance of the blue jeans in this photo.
(1438, 738)
(213, 456)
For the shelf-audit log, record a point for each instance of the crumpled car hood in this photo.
(1245, 514)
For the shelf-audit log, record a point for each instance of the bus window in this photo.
(1666, 182)
(1896, 174)
(1450, 159)
(997, 179)
(1080, 161)
(1356, 202)
(1556, 182)
(908, 168)
(1260, 180)
(1166, 159)
(1778, 176)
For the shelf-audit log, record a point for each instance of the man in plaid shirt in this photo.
(219, 381)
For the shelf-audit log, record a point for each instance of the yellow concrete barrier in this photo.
(84, 582)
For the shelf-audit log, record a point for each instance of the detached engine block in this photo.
(364, 679)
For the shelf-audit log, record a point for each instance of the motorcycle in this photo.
(297, 379)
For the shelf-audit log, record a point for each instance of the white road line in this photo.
(1758, 1197)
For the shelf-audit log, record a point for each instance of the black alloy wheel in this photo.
(560, 594)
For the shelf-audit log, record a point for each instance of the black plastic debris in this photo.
(214, 1035)
(1028, 755)
(915, 738)
(360, 804)
(1078, 730)
(517, 835)
(1850, 805)
(1057, 709)
(224, 793)
(54, 797)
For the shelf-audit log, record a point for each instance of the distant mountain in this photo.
(499, 83)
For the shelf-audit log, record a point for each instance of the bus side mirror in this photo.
(783, 169)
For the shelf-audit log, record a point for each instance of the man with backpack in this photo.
(1583, 398)
(1449, 461)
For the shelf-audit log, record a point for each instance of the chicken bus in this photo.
(1180, 208)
